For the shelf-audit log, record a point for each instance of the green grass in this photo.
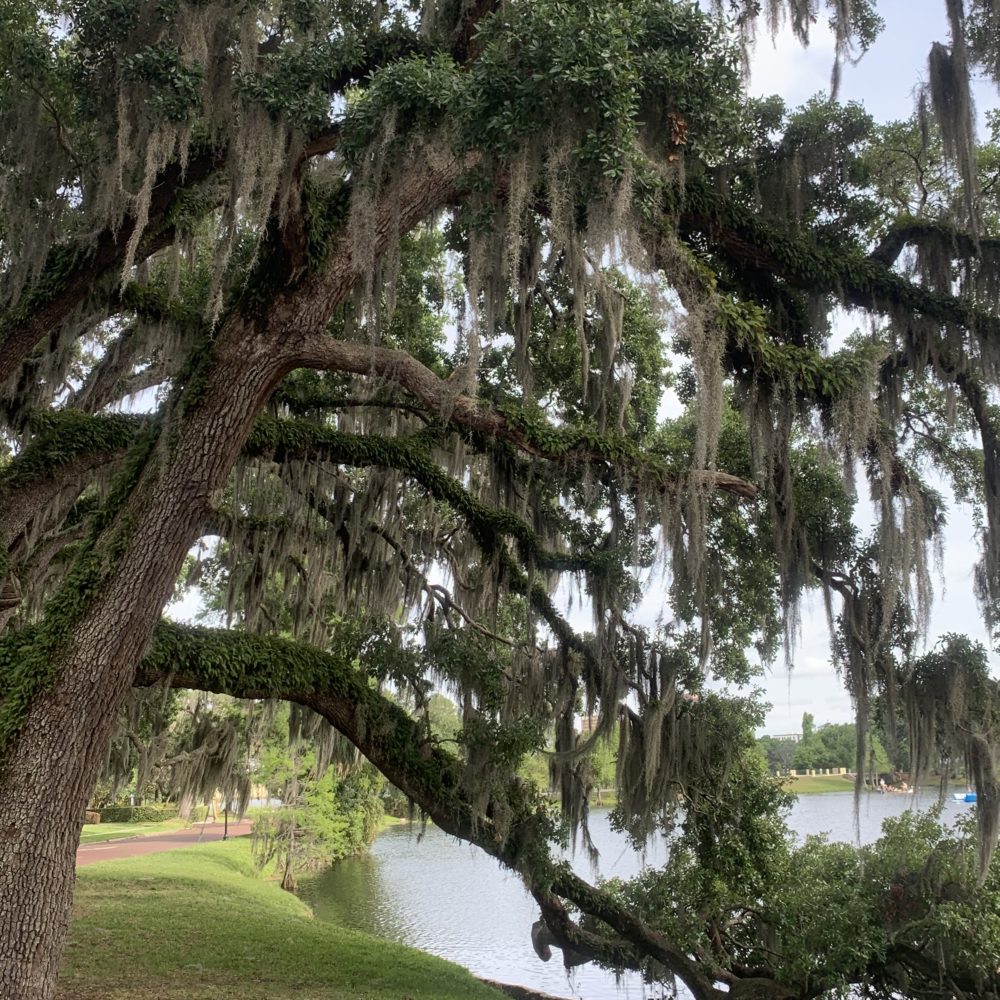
(197, 924)
(94, 833)
(815, 783)
(387, 822)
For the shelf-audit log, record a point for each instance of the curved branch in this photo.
(330, 684)
(861, 281)
(916, 231)
(441, 397)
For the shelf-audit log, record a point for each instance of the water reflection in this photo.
(445, 897)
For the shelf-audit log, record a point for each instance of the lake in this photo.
(445, 897)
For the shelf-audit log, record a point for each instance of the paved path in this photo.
(153, 843)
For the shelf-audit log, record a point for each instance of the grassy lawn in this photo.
(811, 784)
(387, 822)
(195, 924)
(95, 832)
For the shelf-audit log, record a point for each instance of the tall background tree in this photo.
(380, 300)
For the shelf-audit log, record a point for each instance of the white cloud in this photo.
(784, 67)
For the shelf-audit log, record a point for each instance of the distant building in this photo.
(789, 737)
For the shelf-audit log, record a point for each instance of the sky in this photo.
(884, 82)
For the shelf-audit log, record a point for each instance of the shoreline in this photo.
(517, 992)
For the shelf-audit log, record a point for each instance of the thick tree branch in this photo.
(442, 399)
(914, 232)
(857, 280)
(68, 449)
(256, 667)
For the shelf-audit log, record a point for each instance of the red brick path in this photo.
(111, 850)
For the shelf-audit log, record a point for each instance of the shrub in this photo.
(138, 814)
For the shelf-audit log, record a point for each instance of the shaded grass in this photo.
(94, 833)
(197, 924)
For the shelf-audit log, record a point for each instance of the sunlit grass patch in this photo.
(198, 923)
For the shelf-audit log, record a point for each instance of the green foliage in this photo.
(138, 814)
(443, 717)
(834, 746)
(829, 916)
(332, 817)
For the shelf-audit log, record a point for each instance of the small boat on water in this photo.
(964, 796)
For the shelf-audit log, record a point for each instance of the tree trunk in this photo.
(46, 783)
(48, 774)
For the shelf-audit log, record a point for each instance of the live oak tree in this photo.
(392, 291)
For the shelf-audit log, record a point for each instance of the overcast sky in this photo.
(884, 82)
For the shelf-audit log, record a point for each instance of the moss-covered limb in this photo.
(743, 238)
(288, 439)
(301, 401)
(528, 432)
(68, 450)
(987, 419)
(610, 451)
(336, 686)
(753, 353)
(34, 577)
(915, 964)
(932, 232)
(154, 304)
(62, 437)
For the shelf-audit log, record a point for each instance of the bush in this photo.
(138, 814)
(198, 814)
(92, 816)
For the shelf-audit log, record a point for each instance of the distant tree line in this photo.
(827, 746)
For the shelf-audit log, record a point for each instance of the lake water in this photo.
(445, 897)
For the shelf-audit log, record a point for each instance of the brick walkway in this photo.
(111, 850)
